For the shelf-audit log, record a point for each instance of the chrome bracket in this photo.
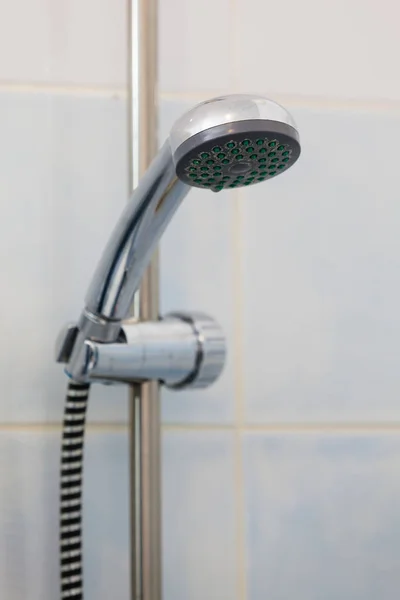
(181, 350)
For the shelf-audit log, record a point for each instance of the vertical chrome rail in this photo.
(145, 452)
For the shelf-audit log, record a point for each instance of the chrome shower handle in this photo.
(134, 239)
(127, 255)
(227, 142)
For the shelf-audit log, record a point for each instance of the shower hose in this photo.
(71, 491)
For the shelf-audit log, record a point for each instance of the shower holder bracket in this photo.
(181, 350)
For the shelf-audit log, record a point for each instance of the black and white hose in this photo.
(71, 491)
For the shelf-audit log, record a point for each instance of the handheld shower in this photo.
(224, 143)
(227, 142)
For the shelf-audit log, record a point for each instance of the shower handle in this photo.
(227, 142)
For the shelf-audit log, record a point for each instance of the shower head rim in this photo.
(223, 110)
(246, 126)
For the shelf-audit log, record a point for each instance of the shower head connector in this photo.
(233, 141)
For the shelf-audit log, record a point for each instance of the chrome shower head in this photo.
(227, 142)
(233, 141)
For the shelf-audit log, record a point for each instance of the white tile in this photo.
(195, 46)
(170, 111)
(199, 554)
(340, 48)
(106, 517)
(81, 42)
(322, 518)
(321, 285)
(29, 506)
(63, 184)
(197, 273)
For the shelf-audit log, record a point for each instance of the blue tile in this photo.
(199, 539)
(29, 505)
(186, 62)
(197, 265)
(64, 183)
(39, 50)
(322, 516)
(321, 284)
(312, 61)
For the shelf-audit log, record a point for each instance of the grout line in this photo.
(331, 103)
(324, 427)
(289, 100)
(196, 427)
(182, 96)
(240, 518)
(57, 427)
(342, 428)
(239, 398)
(392, 427)
(241, 553)
(66, 89)
(238, 310)
(296, 100)
(109, 427)
(286, 428)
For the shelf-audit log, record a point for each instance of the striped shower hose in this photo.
(71, 491)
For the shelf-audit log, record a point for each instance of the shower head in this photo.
(224, 143)
(233, 141)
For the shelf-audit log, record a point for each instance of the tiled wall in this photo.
(287, 479)
(63, 181)
(283, 479)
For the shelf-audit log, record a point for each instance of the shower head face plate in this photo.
(237, 154)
